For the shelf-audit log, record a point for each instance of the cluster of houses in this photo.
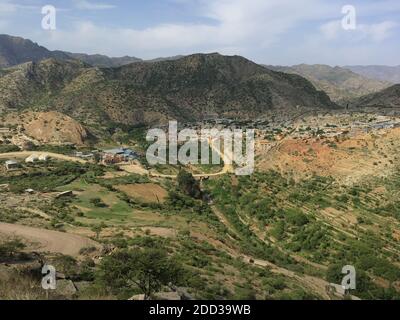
(111, 156)
(118, 155)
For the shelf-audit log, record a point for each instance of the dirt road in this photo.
(25, 154)
(48, 240)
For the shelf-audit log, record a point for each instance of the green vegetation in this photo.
(295, 215)
(188, 185)
(10, 249)
(49, 176)
(145, 269)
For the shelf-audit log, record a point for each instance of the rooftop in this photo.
(11, 162)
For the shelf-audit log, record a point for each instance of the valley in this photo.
(77, 190)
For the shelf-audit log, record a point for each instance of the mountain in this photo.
(16, 50)
(98, 60)
(388, 98)
(340, 84)
(382, 73)
(187, 89)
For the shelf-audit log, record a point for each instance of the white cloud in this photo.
(269, 31)
(87, 5)
(376, 31)
(238, 26)
(8, 7)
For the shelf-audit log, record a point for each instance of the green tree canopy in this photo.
(146, 269)
(188, 184)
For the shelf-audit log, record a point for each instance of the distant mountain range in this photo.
(16, 50)
(383, 73)
(102, 91)
(340, 84)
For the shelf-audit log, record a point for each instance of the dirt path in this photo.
(25, 154)
(48, 240)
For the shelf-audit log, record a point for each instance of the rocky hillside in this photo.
(388, 98)
(49, 127)
(382, 73)
(188, 89)
(340, 84)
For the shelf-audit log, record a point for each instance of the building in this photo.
(43, 157)
(32, 159)
(11, 165)
(5, 130)
(84, 156)
(118, 155)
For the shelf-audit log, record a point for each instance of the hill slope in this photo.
(187, 89)
(340, 84)
(388, 98)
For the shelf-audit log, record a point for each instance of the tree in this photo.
(188, 184)
(98, 228)
(97, 202)
(10, 248)
(146, 269)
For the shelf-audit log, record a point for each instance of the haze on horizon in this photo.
(279, 32)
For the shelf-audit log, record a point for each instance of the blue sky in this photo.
(281, 32)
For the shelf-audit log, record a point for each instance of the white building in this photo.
(11, 165)
(32, 159)
(43, 157)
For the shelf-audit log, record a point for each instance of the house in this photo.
(84, 156)
(5, 131)
(119, 155)
(68, 193)
(32, 159)
(43, 157)
(11, 165)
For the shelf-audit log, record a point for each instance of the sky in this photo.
(277, 32)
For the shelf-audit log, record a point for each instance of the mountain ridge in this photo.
(187, 89)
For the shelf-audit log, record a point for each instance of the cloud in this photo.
(273, 31)
(7, 7)
(87, 5)
(377, 32)
(232, 27)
